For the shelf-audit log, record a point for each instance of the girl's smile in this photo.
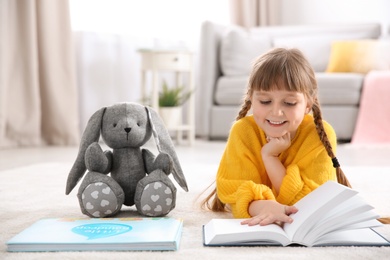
(276, 123)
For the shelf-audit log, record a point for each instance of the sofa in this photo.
(227, 52)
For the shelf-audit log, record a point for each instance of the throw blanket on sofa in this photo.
(373, 122)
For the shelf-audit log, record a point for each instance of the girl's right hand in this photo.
(265, 212)
(276, 145)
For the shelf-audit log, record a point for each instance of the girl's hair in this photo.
(279, 69)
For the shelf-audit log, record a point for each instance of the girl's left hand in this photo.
(267, 212)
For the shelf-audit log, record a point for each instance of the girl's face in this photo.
(277, 112)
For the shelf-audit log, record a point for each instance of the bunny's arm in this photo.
(96, 160)
(148, 158)
(163, 161)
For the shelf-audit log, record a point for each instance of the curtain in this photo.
(253, 13)
(38, 93)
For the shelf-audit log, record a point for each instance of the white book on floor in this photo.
(99, 234)
(331, 215)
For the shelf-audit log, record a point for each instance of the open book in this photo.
(331, 215)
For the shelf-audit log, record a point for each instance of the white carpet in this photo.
(38, 191)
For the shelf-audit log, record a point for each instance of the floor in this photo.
(16, 208)
(207, 152)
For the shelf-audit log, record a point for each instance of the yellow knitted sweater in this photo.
(242, 178)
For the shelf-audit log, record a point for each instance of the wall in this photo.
(108, 34)
(335, 11)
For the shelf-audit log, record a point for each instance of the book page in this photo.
(356, 237)
(359, 219)
(313, 206)
(232, 232)
(344, 210)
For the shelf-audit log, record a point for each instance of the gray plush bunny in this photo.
(137, 177)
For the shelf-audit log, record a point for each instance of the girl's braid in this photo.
(341, 178)
(244, 108)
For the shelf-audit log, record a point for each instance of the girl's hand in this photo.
(276, 145)
(267, 212)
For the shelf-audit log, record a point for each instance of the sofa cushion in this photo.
(339, 88)
(359, 56)
(223, 119)
(315, 48)
(333, 89)
(238, 50)
(239, 46)
(342, 118)
(230, 90)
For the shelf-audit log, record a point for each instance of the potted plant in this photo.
(170, 102)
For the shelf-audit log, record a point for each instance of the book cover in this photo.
(100, 234)
(331, 215)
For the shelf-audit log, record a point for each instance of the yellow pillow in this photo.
(359, 56)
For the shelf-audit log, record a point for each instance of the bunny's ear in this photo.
(164, 144)
(91, 134)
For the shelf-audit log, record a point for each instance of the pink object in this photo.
(373, 122)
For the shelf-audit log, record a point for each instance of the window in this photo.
(168, 21)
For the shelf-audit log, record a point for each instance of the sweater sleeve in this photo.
(241, 176)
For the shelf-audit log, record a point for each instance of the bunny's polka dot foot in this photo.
(99, 201)
(157, 199)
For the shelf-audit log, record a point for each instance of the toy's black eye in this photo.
(114, 124)
(138, 124)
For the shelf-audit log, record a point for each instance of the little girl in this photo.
(282, 152)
